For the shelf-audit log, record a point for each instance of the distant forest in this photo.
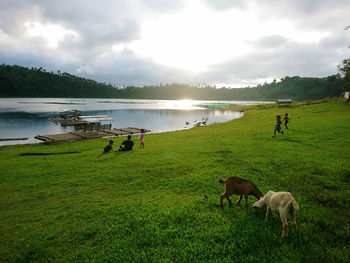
(16, 81)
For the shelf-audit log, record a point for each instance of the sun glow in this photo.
(191, 40)
(198, 37)
(184, 104)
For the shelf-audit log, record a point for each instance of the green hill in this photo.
(16, 81)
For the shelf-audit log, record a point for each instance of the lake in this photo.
(28, 117)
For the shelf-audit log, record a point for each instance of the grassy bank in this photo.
(148, 206)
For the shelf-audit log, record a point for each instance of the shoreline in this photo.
(183, 129)
(165, 116)
(237, 108)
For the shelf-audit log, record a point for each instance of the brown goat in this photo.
(239, 186)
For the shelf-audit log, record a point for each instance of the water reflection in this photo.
(31, 118)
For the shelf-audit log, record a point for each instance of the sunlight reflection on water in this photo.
(27, 117)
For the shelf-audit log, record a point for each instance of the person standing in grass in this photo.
(277, 126)
(109, 147)
(142, 139)
(286, 120)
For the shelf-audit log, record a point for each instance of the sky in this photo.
(227, 43)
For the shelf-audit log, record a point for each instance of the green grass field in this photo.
(148, 206)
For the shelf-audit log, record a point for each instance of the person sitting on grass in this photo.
(128, 144)
(278, 126)
(109, 147)
(286, 120)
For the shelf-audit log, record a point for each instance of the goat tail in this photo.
(221, 181)
(294, 204)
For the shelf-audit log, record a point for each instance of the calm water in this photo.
(28, 117)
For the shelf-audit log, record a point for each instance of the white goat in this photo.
(282, 203)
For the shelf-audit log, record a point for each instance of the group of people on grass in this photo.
(279, 123)
(126, 145)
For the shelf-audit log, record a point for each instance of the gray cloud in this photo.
(336, 40)
(13, 15)
(312, 14)
(272, 41)
(120, 69)
(100, 25)
(168, 6)
(285, 58)
(114, 21)
(30, 60)
(222, 5)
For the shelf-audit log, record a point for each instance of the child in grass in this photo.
(286, 120)
(277, 126)
(142, 138)
(128, 144)
(109, 147)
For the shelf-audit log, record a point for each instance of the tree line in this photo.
(17, 81)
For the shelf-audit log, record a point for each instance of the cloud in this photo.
(168, 6)
(223, 5)
(262, 39)
(272, 41)
(285, 58)
(307, 15)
